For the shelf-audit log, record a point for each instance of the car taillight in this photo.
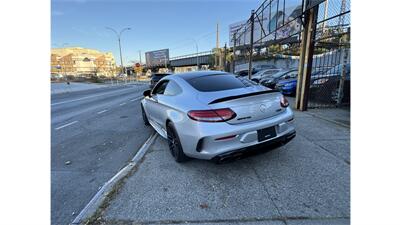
(215, 115)
(284, 102)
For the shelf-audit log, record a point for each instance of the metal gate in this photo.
(312, 36)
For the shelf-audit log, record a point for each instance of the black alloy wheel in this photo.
(174, 144)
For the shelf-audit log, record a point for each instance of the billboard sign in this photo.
(233, 28)
(157, 58)
(278, 21)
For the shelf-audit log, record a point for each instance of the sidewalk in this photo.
(57, 88)
(305, 182)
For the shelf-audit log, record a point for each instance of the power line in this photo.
(188, 41)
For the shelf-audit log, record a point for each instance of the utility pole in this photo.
(224, 57)
(234, 50)
(217, 44)
(165, 58)
(217, 49)
(251, 44)
(119, 44)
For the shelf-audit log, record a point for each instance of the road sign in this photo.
(138, 69)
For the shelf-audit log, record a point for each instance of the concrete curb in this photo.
(91, 208)
(329, 120)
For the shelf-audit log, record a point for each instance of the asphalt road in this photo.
(94, 133)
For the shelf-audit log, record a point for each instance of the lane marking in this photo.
(92, 96)
(103, 111)
(123, 103)
(66, 125)
(135, 99)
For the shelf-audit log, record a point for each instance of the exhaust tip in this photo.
(229, 158)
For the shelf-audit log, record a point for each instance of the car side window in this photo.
(160, 88)
(172, 88)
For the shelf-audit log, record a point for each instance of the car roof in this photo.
(287, 70)
(263, 70)
(191, 75)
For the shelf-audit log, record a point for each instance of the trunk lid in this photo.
(249, 104)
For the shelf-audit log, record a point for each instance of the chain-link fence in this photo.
(276, 27)
(330, 84)
(312, 36)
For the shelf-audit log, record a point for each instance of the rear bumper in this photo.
(200, 140)
(254, 148)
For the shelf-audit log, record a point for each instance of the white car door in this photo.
(153, 107)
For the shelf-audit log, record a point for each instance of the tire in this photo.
(174, 144)
(144, 116)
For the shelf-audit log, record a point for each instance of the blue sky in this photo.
(156, 24)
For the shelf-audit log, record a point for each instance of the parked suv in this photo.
(155, 77)
(256, 68)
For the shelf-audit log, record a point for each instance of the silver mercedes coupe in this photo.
(215, 115)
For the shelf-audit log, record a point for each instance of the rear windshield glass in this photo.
(219, 83)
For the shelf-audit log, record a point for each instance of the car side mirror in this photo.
(147, 93)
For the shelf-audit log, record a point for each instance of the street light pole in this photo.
(119, 44)
(197, 53)
(140, 57)
(120, 54)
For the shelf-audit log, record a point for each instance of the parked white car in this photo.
(214, 115)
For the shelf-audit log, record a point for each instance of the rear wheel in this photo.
(174, 144)
(144, 116)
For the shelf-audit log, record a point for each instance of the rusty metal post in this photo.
(251, 43)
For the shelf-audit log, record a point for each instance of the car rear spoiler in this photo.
(224, 99)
